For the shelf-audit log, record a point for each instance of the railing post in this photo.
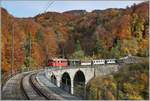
(94, 71)
(84, 91)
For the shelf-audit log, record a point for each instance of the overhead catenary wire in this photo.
(50, 3)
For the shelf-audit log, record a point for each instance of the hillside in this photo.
(109, 33)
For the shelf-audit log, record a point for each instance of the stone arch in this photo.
(53, 79)
(79, 84)
(79, 76)
(66, 82)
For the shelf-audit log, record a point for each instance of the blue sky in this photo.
(20, 8)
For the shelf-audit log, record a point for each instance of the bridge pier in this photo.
(58, 81)
(72, 87)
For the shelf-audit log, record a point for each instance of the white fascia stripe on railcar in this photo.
(85, 63)
(111, 62)
(99, 63)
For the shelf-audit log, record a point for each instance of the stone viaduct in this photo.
(84, 74)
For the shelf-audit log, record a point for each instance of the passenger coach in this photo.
(110, 61)
(86, 62)
(74, 62)
(98, 62)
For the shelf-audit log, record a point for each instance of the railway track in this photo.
(42, 89)
(33, 90)
(30, 91)
(26, 86)
(22, 87)
(36, 90)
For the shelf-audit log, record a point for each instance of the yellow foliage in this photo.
(144, 78)
(110, 96)
(135, 97)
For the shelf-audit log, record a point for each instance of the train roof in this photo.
(98, 59)
(74, 59)
(57, 59)
(86, 60)
(110, 59)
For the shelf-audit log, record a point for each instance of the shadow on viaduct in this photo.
(69, 77)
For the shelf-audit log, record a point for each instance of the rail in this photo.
(37, 88)
(7, 75)
(23, 90)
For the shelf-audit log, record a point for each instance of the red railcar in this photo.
(57, 62)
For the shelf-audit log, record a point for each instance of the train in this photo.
(60, 62)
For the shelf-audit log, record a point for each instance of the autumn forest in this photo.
(110, 33)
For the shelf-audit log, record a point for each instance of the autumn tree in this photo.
(28, 45)
(138, 27)
(101, 88)
(77, 46)
(115, 50)
(114, 53)
(129, 47)
(99, 45)
(79, 53)
(29, 61)
(61, 43)
(39, 36)
(143, 48)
